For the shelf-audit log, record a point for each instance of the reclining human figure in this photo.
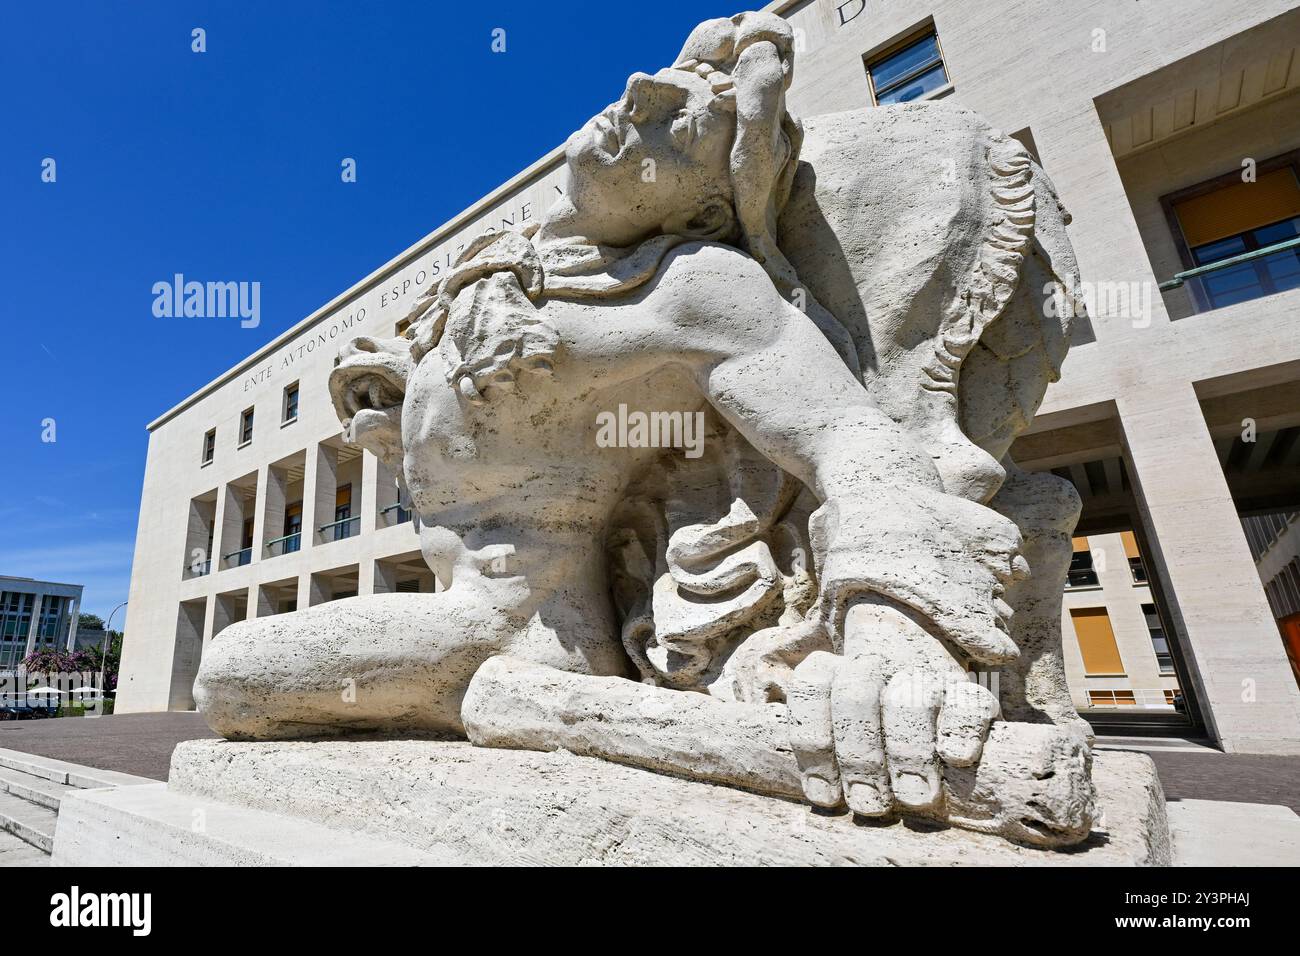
(831, 564)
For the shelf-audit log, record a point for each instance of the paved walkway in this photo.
(1240, 778)
(142, 744)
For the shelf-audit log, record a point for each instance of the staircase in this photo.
(31, 789)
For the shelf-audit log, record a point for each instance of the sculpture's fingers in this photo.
(964, 718)
(909, 711)
(808, 697)
(859, 738)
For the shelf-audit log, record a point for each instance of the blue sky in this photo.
(226, 165)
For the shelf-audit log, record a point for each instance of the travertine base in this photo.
(435, 802)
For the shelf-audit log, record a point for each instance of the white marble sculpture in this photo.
(852, 314)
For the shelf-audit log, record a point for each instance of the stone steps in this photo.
(32, 789)
(16, 852)
(60, 771)
(30, 822)
(150, 826)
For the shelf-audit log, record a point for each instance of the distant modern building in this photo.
(36, 614)
(1171, 129)
(1275, 542)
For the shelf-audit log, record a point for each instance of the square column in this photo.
(324, 491)
(74, 606)
(369, 491)
(267, 504)
(218, 536)
(310, 512)
(311, 591)
(33, 627)
(1240, 670)
(366, 572)
(259, 602)
(209, 619)
(232, 526)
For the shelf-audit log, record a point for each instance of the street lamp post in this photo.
(103, 647)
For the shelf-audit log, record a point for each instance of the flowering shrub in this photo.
(48, 660)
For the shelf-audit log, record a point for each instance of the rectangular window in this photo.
(1159, 643)
(246, 427)
(290, 403)
(344, 526)
(292, 527)
(1226, 219)
(1081, 574)
(1135, 565)
(50, 625)
(1096, 642)
(293, 518)
(15, 620)
(909, 71)
(209, 446)
(245, 553)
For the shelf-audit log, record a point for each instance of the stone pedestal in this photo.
(429, 802)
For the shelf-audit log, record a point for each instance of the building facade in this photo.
(1275, 543)
(35, 615)
(1117, 654)
(1172, 131)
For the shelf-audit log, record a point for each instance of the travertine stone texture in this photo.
(512, 703)
(794, 536)
(151, 825)
(1031, 785)
(457, 803)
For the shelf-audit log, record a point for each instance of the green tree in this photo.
(111, 661)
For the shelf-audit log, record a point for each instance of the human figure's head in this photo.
(703, 149)
(656, 161)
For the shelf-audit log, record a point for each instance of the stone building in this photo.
(1172, 131)
(35, 615)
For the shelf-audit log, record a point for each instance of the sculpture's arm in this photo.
(886, 526)
(910, 578)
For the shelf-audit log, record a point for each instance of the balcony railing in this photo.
(403, 515)
(1257, 273)
(196, 569)
(338, 530)
(237, 559)
(1150, 698)
(285, 545)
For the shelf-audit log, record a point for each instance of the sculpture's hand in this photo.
(874, 735)
(944, 559)
(911, 585)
